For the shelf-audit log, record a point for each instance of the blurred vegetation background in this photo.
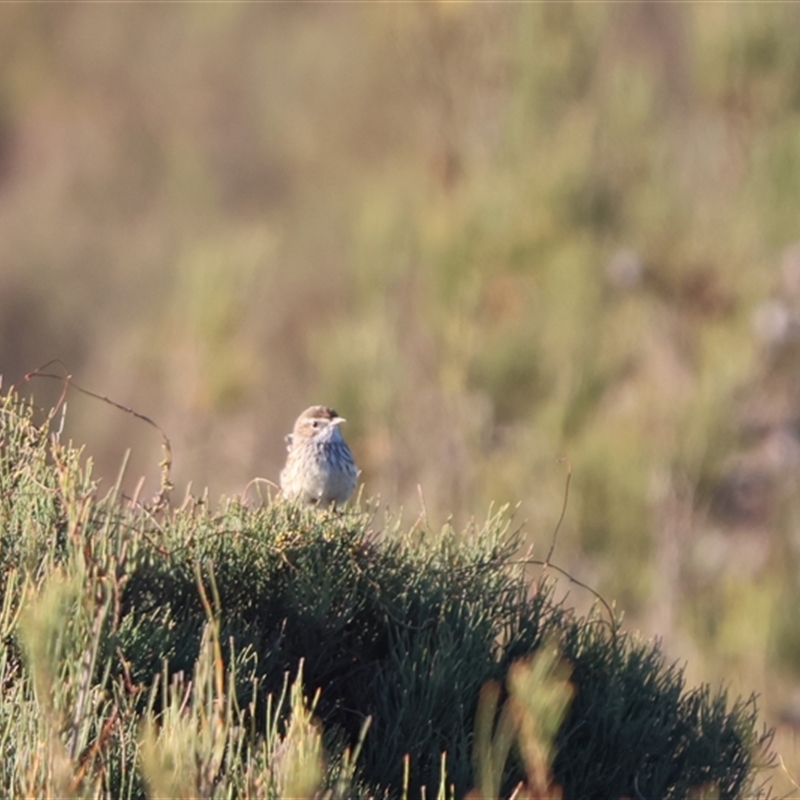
(492, 236)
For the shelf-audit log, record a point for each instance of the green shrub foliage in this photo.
(140, 640)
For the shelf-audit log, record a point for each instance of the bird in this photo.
(320, 469)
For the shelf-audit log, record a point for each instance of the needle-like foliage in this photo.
(149, 651)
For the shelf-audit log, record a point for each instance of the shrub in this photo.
(108, 608)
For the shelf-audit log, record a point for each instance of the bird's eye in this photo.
(315, 423)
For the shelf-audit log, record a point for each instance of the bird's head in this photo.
(318, 423)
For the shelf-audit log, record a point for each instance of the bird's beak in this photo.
(338, 420)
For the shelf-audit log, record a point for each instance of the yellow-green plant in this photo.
(539, 696)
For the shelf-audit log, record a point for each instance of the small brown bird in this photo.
(320, 468)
